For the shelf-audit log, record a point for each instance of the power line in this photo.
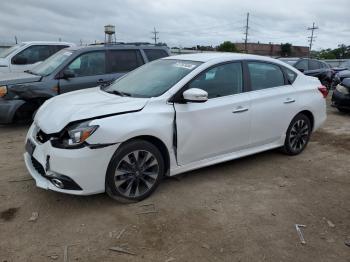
(155, 37)
(312, 37)
(246, 34)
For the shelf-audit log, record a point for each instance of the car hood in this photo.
(17, 78)
(345, 73)
(58, 112)
(338, 69)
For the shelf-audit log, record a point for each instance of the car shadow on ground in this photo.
(216, 172)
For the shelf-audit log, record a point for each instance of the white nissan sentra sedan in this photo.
(170, 116)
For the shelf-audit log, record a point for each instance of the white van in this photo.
(24, 56)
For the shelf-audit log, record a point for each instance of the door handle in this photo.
(289, 101)
(100, 81)
(240, 109)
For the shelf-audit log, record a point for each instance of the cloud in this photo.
(180, 22)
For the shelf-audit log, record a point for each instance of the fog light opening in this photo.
(58, 183)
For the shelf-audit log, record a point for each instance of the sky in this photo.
(180, 23)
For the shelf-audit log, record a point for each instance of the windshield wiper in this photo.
(119, 93)
(30, 72)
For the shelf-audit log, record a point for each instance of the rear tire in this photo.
(135, 171)
(298, 135)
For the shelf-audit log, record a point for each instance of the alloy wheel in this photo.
(299, 134)
(136, 173)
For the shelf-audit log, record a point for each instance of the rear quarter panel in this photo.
(311, 99)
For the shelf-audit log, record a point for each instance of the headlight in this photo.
(3, 91)
(75, 135)
(342, 89)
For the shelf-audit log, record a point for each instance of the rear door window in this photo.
(265, 75)
(314, 65)
(154, 54)
(121, 61)
(324, 65)
(302, 65)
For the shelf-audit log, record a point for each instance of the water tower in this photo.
(110, 34)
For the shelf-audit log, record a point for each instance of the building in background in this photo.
(272, 49)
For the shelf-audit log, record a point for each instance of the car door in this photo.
(315, 68)
(88, 69)
(122, 61)
(274, 102)
(28, 57)
(302, 65)
(221, 124)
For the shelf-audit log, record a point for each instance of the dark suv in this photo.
(21, 94)
(312, 67)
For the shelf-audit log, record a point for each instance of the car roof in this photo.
(290, 58)
(115, 47)
(48, 42)
(218, 56)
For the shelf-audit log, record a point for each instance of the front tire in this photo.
(298, 135)
(135, 171)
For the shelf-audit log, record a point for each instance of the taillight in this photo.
(323, 90)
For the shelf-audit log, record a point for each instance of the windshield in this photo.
(49, 65)
(4, 53)
(152, 79)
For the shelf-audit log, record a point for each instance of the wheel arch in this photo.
(26, 110)
(310, 116)
(159, 144)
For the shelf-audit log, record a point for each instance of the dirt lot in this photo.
(243, 210)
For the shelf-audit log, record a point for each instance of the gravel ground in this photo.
(242, 210)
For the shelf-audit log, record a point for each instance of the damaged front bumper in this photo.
(8, 109)
(73, 171)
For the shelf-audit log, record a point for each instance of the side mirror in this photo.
(19, 60)
(67, 74)
(301, 70)
(195, 95)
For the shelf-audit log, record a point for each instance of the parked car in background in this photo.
(312, 67)
(342, 74)
(24, 56)
(21, 94)
(341, 96)
(343, 66)
(170, 116)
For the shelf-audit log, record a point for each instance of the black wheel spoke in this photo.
(136, 173)
(146, 183)
(152, 175)
(127, 191)
(298, 135)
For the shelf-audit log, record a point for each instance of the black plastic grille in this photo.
(38, 167)
(42, 137)
(69, 184)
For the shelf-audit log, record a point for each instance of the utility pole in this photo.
(312, 37)
(246, 34)
(155, 37)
